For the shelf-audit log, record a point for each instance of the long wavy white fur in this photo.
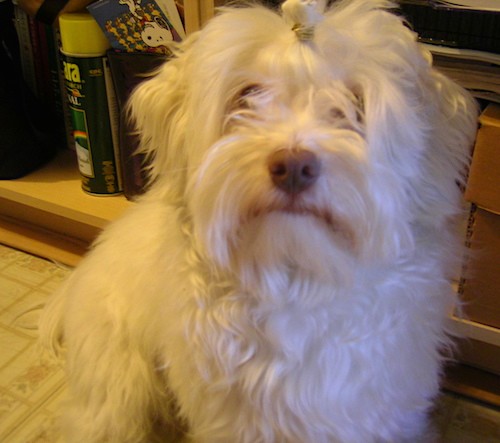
(219, 304)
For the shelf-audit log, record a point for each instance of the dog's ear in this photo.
(156, 109)
(420, 125)
(450, 116)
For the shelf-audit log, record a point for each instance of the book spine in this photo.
(43, 69)
(60, 90)
(55, 98)
(25, 48)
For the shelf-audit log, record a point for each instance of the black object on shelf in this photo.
(453, 27)
(128, 69)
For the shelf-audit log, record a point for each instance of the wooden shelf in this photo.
(47, 211)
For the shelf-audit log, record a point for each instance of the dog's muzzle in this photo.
(293, 170)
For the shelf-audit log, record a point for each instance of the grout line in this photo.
(23, 349)
(33, 411)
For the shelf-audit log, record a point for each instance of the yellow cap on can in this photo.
(81, 35)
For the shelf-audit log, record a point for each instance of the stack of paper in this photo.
(464, 38)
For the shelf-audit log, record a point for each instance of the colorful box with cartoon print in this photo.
(139, 25)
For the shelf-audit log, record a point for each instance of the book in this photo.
(139, 25)
(40, 56)
(22, 24)
(128, 70)
(58, 99)
(477, 71)
(437, 23)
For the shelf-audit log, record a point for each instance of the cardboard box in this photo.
(480, 287)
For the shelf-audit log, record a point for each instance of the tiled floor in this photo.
(31, 386)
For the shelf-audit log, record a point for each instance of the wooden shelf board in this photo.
(56, 188)
(46, 213)
(474, 383)
(42, 242)
(477, 331)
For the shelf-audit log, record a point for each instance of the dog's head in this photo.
(308, 143)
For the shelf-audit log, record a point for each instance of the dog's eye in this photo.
(348, 117)
(248, 95)
(245, 105)
(337, 114)
(359, 102)
(250, 90)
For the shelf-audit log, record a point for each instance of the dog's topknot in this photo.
(303, 15)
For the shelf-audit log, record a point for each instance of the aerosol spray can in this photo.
(90, 94)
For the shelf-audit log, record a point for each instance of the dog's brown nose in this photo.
(293, 170)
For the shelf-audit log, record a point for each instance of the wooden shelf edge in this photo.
(477, 331)
(41, 242)
(56, 188)
(473, 383)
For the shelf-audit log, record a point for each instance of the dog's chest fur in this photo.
(293, 345)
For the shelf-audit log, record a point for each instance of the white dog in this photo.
(286, 276)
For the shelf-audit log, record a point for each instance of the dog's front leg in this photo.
(116, 393)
